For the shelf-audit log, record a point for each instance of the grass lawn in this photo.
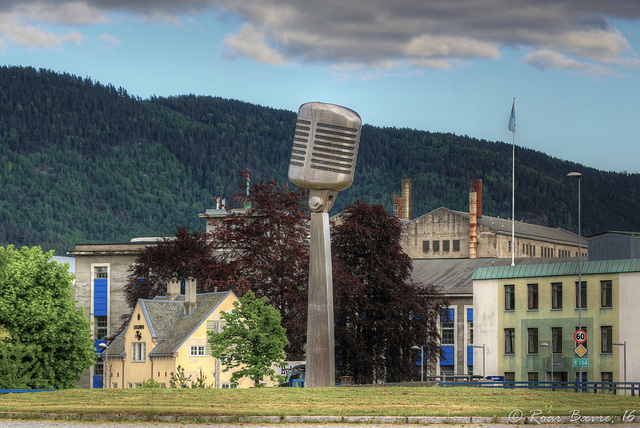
(445, 402)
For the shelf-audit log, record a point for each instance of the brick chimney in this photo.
(189, 295)
(475, 211)
(173, 288)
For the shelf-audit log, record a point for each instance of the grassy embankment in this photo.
(445, 402)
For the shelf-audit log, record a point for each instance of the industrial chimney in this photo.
(406, 199)
(475, 211)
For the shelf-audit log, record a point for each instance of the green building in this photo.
(522, 313)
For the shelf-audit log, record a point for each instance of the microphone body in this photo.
(325, 147)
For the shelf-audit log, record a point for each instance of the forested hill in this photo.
(86, 162)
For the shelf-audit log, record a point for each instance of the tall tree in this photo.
(186, 254)
(251, 341)
(267, 247)
(46, 334)
(380, 312)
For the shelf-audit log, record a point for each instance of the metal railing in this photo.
(595, 387)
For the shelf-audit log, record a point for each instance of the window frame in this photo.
(583, 290)
(435, 245)
(197, 351)
(139, 356)
(606, 346)
(446, 246)
(557, 344)
(606, 293)
(533, 300)
(510, 341)
(556, 294)
(532, 332)
(455, 245)
(511, 293)
(425, 246)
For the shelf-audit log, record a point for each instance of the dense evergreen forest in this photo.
(86, 162)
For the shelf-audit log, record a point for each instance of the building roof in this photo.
(526, 230)
(455, 275)
(168, 324)
(557, 269)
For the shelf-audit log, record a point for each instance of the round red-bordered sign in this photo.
(580, 336)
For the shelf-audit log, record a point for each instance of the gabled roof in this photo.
(168, 324)
(455, 275)
(503, 226)
(184, 326)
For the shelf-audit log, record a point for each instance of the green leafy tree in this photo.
(50, 339)
(252, 340)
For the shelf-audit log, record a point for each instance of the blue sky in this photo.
(438, 65)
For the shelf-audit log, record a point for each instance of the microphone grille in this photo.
(333, 147)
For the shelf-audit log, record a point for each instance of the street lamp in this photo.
(551, 352)
(624, 348)
(421, 348)
(483, 359)
(579, 176)
(105, 371)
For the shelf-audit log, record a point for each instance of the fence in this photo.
(595, 387)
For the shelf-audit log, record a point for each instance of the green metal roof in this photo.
(557, 269)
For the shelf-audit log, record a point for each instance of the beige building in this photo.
(446, 233)
(101, 273)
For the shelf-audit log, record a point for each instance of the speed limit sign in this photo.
(580, 336)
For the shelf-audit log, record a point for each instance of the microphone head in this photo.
(325, 147)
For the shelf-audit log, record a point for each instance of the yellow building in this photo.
(170, 332)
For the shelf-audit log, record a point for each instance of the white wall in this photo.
(485, 326)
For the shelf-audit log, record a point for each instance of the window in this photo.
(532, 300)
(509, 376)
(138, 354)
(509, 341)
(606, 376)
(456, 245)
(101, 271)
(605, 294)
(470, 333)
(532, 377)
(556, 295)
(447, 333)
(98, 369)
(100, 327)
(197, 351)
(606, 339)
(445, 246)
(509, 246)
(229, 385)
(436, 246)
(532, 340)
(425, 246)
(581, 293)
(509, 297)
(556, 337)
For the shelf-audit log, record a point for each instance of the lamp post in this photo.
(624, 348)
(579, 176)
(551, 352)
(421, 348)
(105, 371)
(483, 358)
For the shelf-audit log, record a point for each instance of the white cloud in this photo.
(109, 40)
(253, 44)
(548, 59)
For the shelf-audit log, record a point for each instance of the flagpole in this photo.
(512, 128)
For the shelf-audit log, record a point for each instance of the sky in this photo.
(456, 66)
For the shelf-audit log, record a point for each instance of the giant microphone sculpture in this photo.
(323, 159)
